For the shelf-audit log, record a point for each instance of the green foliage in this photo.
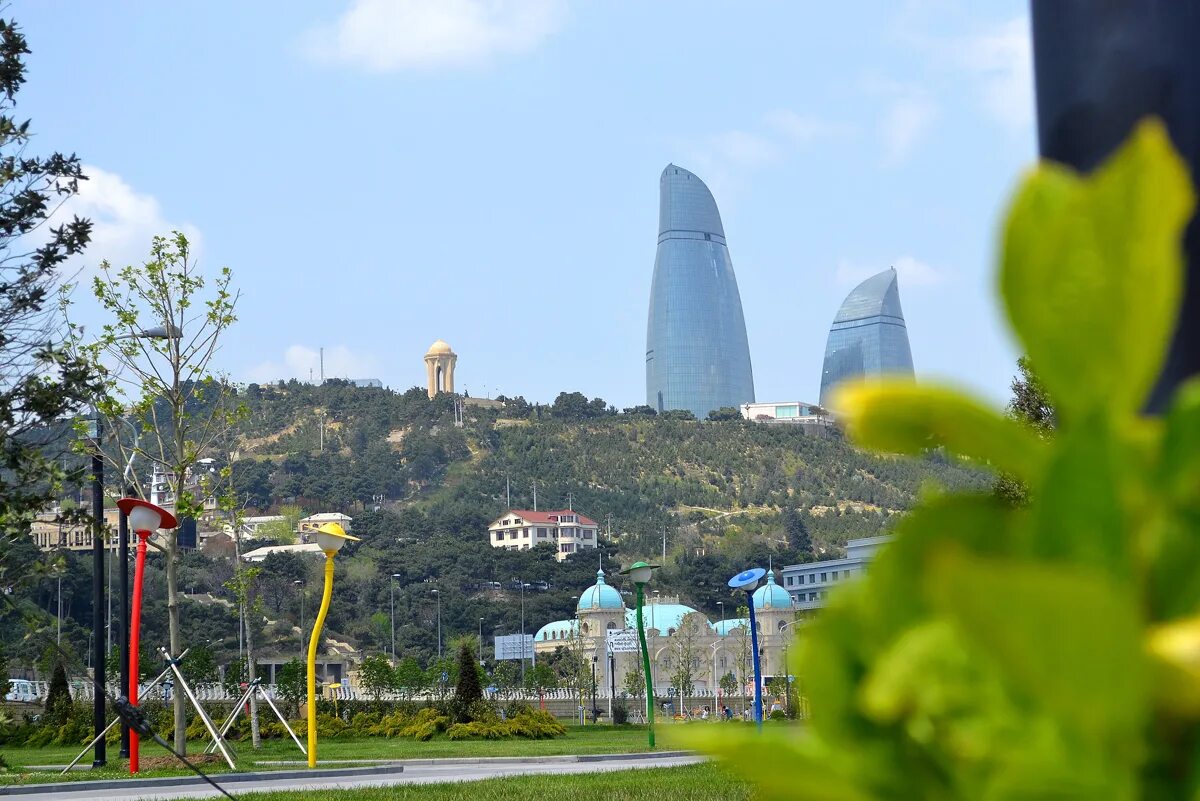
(620, 713)
(291, 682)
(467, 691)
(1046, 650)
(43, 381)
(58, 697)
(376, 675)
(531, 725)
(199, 666)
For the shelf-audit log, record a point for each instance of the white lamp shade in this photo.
(143, 518)
(330, 542)
(641, 575)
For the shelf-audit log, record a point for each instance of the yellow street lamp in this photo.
(330, 537)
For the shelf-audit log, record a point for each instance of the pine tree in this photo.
(797, 534)
(468, 689)
(58, 698)
(1031, 405)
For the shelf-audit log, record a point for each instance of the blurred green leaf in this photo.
(1090, 272)
(902, 417)
(1066, 637)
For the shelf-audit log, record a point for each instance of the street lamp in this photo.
(393, 605)
(639, 573)
(145, 518)
(481, 642)
(438, 593)
(330, 539)
(748, 581)
(303, 595)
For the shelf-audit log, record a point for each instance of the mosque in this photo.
(673, 631)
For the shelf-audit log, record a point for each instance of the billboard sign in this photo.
(508, 646)
(623, 641)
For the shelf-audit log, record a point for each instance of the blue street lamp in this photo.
(748, 581)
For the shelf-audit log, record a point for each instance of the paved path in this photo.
(414, 773)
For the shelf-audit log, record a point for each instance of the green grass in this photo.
(578, 740)
(689, 783)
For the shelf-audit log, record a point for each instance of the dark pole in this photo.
(123, 612)
(1098, 69)
(98, 655)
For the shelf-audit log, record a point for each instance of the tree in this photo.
(540, 678)
(685, 647)
(635, 680)
(1031, 405)
(284, 531)
(291, 682)
(376, 675)
(506, 677)
(41, 379)
(58, 697)
(199, 666)
(468, 690)
(410, 678)
(165, 387)
(796, 531)
(729, 684)
(725, 414)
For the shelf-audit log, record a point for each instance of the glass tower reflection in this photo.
(697, 356)
(868, 337)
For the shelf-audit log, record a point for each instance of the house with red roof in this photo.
(567, 530)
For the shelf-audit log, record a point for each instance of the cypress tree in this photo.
(468, 689)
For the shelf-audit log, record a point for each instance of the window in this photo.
(790, 580)
(784, 412)
(541, 532)
(845, 574)
(824, 577)
(587, 535)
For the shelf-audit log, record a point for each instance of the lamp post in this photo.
(145, 518)
(98, 655)
(303, 595)
(481, 642)
(522, 631)
(393, 606)
(330, 538)
(594, 657)
(438, 595)
(639, 573)
(748, 581)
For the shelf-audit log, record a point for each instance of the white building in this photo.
(259, 554)
(786, 412)
(310, 524)
(565, 529)
(809, 583)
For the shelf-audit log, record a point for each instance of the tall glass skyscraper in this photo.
(697, 357)
(868, 336)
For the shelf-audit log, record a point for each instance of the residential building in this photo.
(868, 338)
(567, 530)
(811, 417)
(697, 354)
(49, 534)
(809, 583)
(367, 383)
(310, 524)
(163, 486)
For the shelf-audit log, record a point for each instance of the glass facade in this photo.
(697, 356)
(868, 336)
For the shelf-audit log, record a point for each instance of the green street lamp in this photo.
(639, 573)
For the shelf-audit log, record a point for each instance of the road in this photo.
(413, 774)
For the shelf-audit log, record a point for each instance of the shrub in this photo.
(428, 722)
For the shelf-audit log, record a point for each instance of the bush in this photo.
(514, 708)
(620, 713)
(428, 722)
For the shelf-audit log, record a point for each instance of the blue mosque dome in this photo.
(600, 596)
(665, 617)
(771, 595)
(557, 630)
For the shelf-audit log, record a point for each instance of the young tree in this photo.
(162, 382)
(1032, 405)
(729, 684)
(539, 679)
(506, 677)
(685, 647)
(410, 678)
(291, 682)
(41, 379)
(468, 689)
(199, 666)
(376, 675)
(635, 680)
(284, 531)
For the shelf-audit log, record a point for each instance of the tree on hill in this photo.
(1030, 404)
(796, 532)
(725, 414)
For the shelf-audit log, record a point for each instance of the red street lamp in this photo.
(144, 518)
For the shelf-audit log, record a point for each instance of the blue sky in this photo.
(382, 174)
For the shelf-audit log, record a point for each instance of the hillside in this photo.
(635, 472)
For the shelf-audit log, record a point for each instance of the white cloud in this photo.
(395, 35)
(302, 362)
(913, 272)
(802, 129)
(908, 118)
(123, 219)
(741, 149)
(1003, 61)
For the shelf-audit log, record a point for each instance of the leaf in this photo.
(1180, 461)
(1091, 272)
(1066, 637)
(903, 417)
(1077, 510)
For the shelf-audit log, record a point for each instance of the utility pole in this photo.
(322, 365)
(608, 519)
(664, 550)
(507, 492)
(535, 495)
(571, 501)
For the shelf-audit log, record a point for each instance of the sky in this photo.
(380, 174)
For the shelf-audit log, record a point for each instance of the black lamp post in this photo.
(98, 655)
(1098, 69)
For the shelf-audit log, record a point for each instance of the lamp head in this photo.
(331, 537)
(144, 517)
(639, 572)
(747, 580)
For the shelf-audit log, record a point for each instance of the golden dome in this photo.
(438, 348)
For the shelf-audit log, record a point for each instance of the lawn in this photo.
(704, 782)
(578, 740)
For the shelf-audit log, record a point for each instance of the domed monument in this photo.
(439, 365)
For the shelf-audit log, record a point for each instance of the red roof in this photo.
(550, 516)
